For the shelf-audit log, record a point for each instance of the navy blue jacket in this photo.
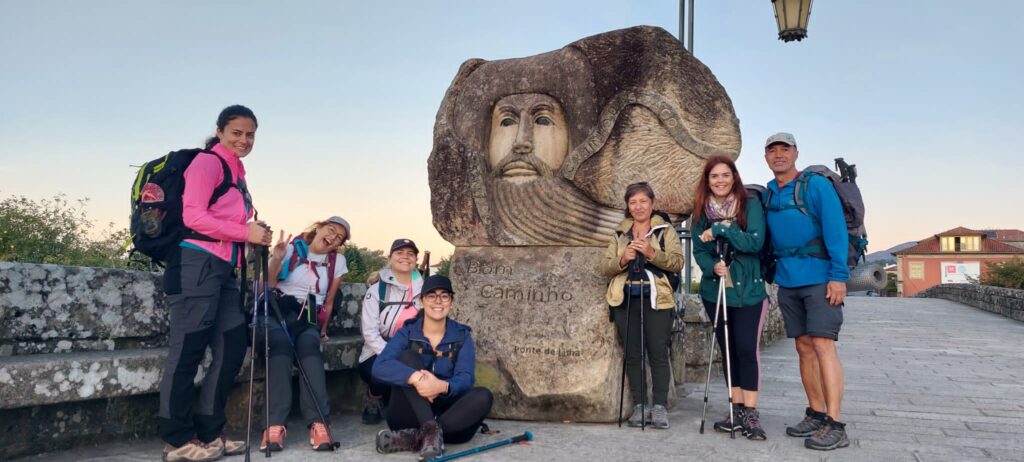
(460, 375)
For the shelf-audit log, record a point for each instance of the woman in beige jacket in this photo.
(641, 254)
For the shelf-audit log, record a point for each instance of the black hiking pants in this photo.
(205, 311)
(657, 330)
(460, 416)
(306, 338)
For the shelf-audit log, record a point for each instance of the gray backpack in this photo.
(845, 184)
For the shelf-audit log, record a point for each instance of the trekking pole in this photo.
(725, 328)
(643, 349)
(252, 357)
(711, 353)
(625, 346)
(527, 436)
(262, 257)
(302, 373)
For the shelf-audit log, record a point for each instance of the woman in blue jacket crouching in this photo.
(430, 365)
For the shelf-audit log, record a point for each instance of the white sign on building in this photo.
(960, 273)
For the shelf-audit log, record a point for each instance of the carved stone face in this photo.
(529, 137)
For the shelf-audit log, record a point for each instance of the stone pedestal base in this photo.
(545, 346)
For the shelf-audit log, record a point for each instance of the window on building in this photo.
(916, 270)
(960, 243)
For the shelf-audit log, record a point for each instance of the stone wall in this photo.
(82, 353)
(999, 300)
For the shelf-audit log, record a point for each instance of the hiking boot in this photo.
(231, 447)
(813, 420)
(831, 435)
(372, 409)
(641, 414)
(433, 441)
(273, 438)
(319, 437)
(193, 451)
(389, 441)
(727, 426)
(659, 417)
(751, 422)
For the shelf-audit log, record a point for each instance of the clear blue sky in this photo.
(924, 96)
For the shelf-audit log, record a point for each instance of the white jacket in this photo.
(376, 323)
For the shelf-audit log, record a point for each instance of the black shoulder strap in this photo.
(422, 348)
(224, 185)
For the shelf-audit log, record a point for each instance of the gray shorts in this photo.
(806, 311)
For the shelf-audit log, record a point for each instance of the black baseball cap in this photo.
(399, 243)
(435, 282)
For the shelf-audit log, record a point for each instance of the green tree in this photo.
(444, 267)
(56, 231)
(362, 262)
(1009, 274)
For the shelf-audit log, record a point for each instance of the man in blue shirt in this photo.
(811, 273)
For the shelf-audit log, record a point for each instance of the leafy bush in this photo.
(1009, 274)
(444, 268)
(56, 231)
(362, 262)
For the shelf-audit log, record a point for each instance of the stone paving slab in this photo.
(927, 380)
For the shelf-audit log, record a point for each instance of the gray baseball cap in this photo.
(781, 137)
(341, 221)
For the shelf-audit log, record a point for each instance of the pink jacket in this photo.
(225, 219)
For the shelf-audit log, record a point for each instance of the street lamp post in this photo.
(792, 17)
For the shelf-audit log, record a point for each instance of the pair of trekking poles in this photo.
(636, 272)
(261, 292)
(721, 306)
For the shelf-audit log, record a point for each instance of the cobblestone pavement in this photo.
(926, 380)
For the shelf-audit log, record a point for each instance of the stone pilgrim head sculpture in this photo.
(538, 150)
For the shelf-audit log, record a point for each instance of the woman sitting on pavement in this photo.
(389, 302)
(722, 213)
(429, 365)
(647, 234)
(305, 274)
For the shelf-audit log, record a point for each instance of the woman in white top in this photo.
(305, 274)
(388, 304)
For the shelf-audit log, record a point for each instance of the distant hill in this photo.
(886, 255)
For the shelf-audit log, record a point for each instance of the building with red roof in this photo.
(957, 255)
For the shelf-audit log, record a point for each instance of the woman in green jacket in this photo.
(722, 214)
(648, 236)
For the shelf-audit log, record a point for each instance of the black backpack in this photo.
(845, 184)
(156, 224)
(767, 254)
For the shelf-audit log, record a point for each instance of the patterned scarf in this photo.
(724, 211)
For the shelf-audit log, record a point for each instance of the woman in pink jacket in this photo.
(203, 294)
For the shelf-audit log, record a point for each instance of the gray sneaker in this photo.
(659, 417)
(831, 435)
(813, 421)
(389, 441)
(752, 425)
(725, 425)
(640, 414)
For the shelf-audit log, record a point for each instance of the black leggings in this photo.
(375, 388)
(657, 330)
(459, 417)
(745, 325)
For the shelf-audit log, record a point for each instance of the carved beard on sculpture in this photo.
(547, 208)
